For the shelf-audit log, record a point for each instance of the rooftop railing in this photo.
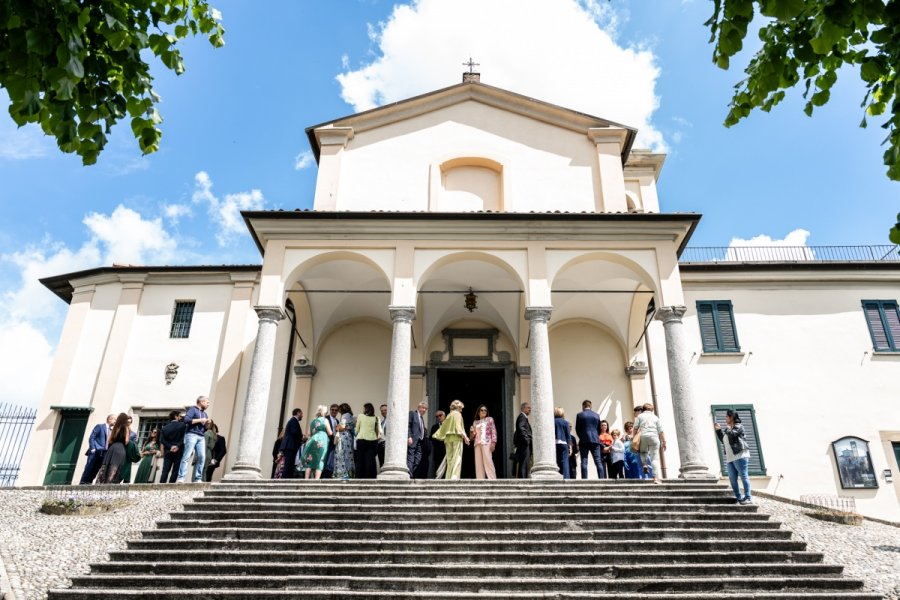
(789, 254)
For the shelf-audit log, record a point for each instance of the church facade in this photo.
(476, 244)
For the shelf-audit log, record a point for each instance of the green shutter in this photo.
(707, 327)
(717, 330)
(727, 334)
(748, 420)
(884, 324)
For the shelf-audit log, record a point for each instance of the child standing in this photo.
(617, 456)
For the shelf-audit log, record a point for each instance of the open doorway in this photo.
(474, 388)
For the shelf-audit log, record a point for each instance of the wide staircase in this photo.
(465, 539)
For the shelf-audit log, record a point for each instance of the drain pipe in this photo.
(292, 317)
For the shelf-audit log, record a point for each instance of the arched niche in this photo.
(469, 184)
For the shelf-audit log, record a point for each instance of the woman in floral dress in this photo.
(453, 434)
(483, 434)
(344, 463)
(146, 472)
(317, 446)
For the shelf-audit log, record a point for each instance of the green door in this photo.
(61, 469)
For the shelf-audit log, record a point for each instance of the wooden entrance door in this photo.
(69, 434)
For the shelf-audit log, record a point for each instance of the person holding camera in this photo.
(737, 455)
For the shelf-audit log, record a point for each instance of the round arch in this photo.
(476, 255)
(639, 272)
(334, 255)
(620, 343)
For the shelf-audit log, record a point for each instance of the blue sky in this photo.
(233, 136)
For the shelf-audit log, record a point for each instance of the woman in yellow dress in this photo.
(453, 434)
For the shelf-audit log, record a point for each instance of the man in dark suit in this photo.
(171, 439)
(332, 418)
(290, 444)
(522, 442)
(587, 427)
(415, 432)
(96, 450)
(218, 453)
(438, 449)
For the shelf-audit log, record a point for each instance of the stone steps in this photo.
(463, 583)
(341, 594)
(599, 558)
(503, 540)
(571, 525)
(614, 571)
(474, 517)
(240, 534)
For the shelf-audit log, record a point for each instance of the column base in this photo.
(394, 473)
(546, 472)
(243, 473)
(695, 471)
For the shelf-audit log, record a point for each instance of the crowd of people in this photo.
(190, 441)
(341, 445)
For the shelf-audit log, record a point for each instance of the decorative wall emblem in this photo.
(171, 372)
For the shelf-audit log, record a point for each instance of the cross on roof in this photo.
(471, 64)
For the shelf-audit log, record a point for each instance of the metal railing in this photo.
(15, 428)
(784, 254)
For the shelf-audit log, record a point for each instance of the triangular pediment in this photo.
(470, 92)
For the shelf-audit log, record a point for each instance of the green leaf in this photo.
(826, 35)
(872, 70)
(75, 68)
(64, 88)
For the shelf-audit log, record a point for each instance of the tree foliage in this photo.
(807, 42)
(76, 67)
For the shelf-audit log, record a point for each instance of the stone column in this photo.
(687, 429)
(246, 465)
(398, 394)
(543, 436)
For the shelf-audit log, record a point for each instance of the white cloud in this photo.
(129, 238)
(304, 160)
(25, 368)
(31, 315)
(226, 213)
(21, 143)
(765, 248)
(174, 212)
(577, 63)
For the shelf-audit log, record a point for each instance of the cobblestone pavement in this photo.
(870, 551)
(42, 551)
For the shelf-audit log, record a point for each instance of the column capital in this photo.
(269, 313)
(538, 313)
(670, 314)
(402, 314)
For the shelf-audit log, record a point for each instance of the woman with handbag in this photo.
(737, 455)
(648, 430)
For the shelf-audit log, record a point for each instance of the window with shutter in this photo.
(883, 319)
(181, 319)
(751, 434)
(717, 330)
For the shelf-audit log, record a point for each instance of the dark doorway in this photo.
(474, 388)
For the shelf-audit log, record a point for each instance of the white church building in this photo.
(477, 244)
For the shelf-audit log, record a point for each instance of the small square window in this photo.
(883, 319)
(181, 319)
(717, 330)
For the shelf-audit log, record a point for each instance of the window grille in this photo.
(148, 424)
(181, 319)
